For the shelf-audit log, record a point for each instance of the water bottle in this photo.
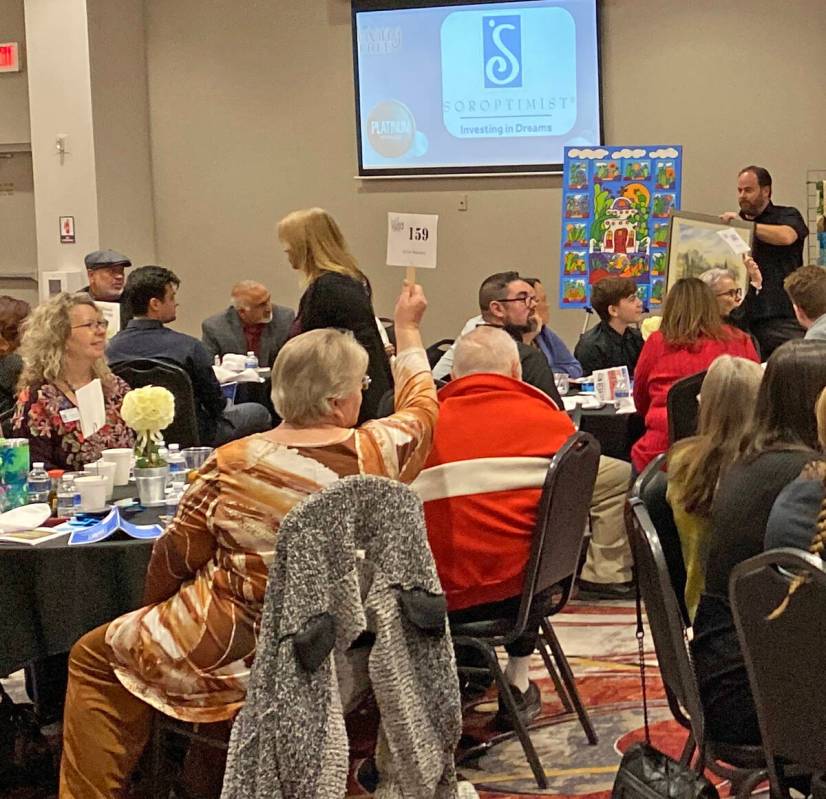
(622, 392)
(40, 484)
(251, 361)
(177, 467)
(66, 491)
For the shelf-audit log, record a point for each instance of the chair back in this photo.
(435, 351)
(651, 487)
(151, 372)
(683, 407)
(561, 518)
(389, 328)
(665, 620)
(785, 655)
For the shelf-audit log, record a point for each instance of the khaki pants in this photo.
(609, 554)
(105, 728)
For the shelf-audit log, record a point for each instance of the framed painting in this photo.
(699, 242)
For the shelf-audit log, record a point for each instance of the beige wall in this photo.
(18, 241)
(252, 115)
(14, 95)
(120, 109)
(60, 100)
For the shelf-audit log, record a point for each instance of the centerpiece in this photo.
(148, 410)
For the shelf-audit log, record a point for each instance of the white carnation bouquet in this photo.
(147, 411)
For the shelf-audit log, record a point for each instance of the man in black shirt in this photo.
(151, 293)
(779, 233)
(614, 341)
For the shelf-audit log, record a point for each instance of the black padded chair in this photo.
(151, 372)
(745, 766)
(389, 328)
(683, 407)
(555, 548)
(784, 656)
(387, 402)
(435, 351)
(651, 487)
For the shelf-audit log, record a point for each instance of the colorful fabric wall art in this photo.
(616, 203)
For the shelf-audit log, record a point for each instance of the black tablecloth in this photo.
(616, 432)
(52, 594)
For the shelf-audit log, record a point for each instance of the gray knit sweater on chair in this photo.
(349, 559)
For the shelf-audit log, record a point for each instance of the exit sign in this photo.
(9, 57)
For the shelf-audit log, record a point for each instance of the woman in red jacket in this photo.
(691, 336)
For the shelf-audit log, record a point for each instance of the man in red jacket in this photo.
(481, 487)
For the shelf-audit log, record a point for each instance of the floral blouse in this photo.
(60, 444)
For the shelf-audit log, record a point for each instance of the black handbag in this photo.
(647, 773)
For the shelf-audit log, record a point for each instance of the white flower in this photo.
(148, 409)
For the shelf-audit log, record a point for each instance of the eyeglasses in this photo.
(98, 324)
(735, 294)
(365, 382)
(526, 298)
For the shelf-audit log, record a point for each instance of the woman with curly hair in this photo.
(337, 293)
(62, 350)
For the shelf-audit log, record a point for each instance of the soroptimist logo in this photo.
(502, 48)
(391, 128)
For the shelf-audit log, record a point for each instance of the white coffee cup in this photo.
(105, 469)
(92, 488)
(122, 458)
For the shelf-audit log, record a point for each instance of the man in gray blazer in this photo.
(251, 322)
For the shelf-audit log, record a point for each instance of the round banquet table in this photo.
(52, 594)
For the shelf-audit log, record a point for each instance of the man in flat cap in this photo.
(104, 269)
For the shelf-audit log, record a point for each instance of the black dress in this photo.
(334, 300)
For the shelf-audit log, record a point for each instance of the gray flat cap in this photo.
(100, 258)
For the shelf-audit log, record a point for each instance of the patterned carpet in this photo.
(601, 647)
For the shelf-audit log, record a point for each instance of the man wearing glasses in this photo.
(507, 301)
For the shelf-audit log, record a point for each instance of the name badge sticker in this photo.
(70, 415)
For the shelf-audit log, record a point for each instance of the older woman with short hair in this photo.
(62, 350)
(188, 653)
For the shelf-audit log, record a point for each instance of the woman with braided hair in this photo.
(782, 439)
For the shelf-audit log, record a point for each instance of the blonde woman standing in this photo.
(696, 464)
(337, 293)
(62, 351)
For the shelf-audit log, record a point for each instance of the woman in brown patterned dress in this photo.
(188, 652)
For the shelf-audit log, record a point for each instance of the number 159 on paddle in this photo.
(411, 240)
